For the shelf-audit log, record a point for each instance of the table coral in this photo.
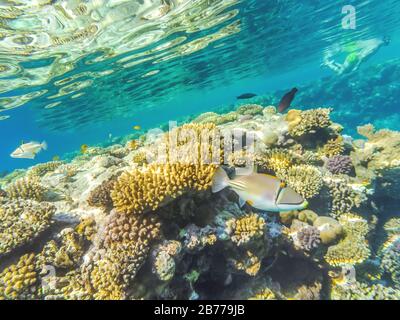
(22, 221)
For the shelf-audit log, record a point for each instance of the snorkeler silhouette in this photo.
(356, 52)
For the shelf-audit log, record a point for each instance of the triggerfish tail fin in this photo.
(220, 180)
(44, 145)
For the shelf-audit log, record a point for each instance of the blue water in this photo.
(275, 45)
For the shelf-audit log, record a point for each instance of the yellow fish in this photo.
(84, 148)
(56, 158)
(137, 127)
(261, 191)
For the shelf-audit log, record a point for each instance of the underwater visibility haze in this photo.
(200, 149)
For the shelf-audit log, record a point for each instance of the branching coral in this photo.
(392, 226)
(125, 244)
(245, 228)
(363, 291)
(390, 258)
(249, 263)
(101, 195)
(21, 222)
(344, 198)
(26, 188)
(333, 147)
(18, 281)
(303, 122)
(64, 253)
(304, 179)
(304, 236)
(339, 164)
(163, 259)
(264, 294)
(354, 248)
(41, 169)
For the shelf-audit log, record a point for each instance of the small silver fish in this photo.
(261, 191)
(29, 150)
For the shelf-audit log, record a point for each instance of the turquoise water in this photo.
(200, 55)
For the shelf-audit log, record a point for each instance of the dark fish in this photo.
(287, 100)
(247, 96)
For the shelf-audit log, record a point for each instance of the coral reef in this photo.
(137, 219)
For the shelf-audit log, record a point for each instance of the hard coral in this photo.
(303, 122)
(390, 258)
(304, 179)
(21, 222)
(245, 228)
(344, 198)
(153, 185)
(101, 195)
(250, 109)
(353, 249)
(339, 164)
(18, 281)
(41, 169)
(333, 147)
(163, 259)
(26, 188)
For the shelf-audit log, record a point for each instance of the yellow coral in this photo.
(333, 147)
(303, 122)
(21, 221)
(26, 188)
(304, 179)
(152, 185)
(245, 228)
(354, 248)
(250, 264)
(18, 281)
(264, 294)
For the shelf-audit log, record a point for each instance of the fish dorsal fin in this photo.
(241, 202)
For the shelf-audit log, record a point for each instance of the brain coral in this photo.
(329, 229)
(304, 179)
(245, 228)
(26, 188)
(302, 122)
(339, 164)
(21, 222)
